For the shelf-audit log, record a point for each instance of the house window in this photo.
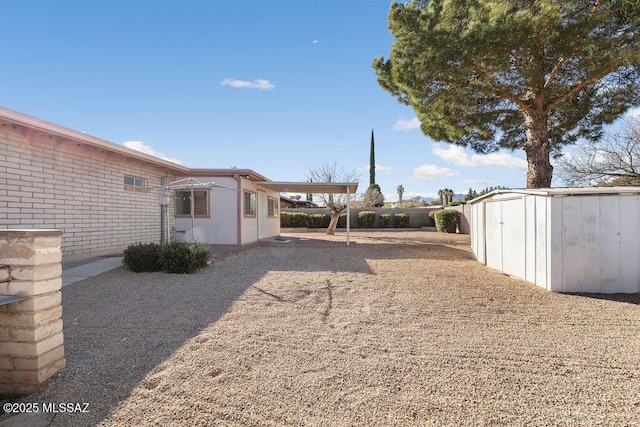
(134, 181)
(273, 207)
(249, 204)
(200, 203)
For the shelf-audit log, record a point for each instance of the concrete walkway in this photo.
(84, 271)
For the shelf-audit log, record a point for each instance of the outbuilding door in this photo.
(263, 215)
(505, 236)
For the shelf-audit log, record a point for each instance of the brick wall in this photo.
(49, 182)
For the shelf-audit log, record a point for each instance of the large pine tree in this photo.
(518, 74)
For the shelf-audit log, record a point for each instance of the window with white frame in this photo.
(134, 181)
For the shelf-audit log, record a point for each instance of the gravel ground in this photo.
(401, 329)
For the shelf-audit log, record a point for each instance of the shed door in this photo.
(505, 236)
(263, 215)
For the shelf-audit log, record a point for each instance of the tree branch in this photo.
(581, 85)
(500, 89)
(555, 70)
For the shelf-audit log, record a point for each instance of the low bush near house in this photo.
(447, 220)
(385, 219)
(319, 221)
(401, 220)
(178, 257)
(143, 257)
(184, 258)
(294, 219)
(366, 219)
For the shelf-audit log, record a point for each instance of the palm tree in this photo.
(441, 195)
(449, 195)
(400, 191)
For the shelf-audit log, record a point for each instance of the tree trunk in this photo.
(335, 216)
(538, 149)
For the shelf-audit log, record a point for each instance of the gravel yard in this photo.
(401, 329)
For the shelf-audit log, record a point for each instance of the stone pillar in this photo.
(31, 343)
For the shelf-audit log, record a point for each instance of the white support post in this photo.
(193, 218)
(348, 213)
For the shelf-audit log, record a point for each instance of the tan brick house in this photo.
(104, 197)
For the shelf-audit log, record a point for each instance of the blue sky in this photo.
(277, 87)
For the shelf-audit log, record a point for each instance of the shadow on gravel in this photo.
(628, 298)
(120, 325)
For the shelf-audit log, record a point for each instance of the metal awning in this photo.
(311, 187)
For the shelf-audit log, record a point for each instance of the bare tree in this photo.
(615, 160)
(337, 203)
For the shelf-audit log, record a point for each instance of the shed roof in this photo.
(561, 192)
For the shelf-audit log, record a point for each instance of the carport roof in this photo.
(311, 187)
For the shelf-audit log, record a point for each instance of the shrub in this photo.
(342, 221)
(294, 219)
(143, 257)
(183, 257)
(401, 220)
(385, 219)
(318, 221)
(366, 219)
(447, 220)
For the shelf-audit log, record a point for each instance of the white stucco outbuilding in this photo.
(562, 239)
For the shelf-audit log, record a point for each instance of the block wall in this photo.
(31, 339)
(50, 182)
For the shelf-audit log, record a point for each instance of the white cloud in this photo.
(315, 42)
(245, 84)
(634, 113)
(431, 173)
(487, 182)
(385, 170)
(456, 155)
(146, 149)
(406, 125)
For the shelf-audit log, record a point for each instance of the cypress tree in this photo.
(372, 163)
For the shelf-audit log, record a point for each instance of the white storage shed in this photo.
(583, 240)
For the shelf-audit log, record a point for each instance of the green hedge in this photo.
(178, 257)
(385, 219)
(342, 221)
(318, 221)
(401, 220)
(447, 220)
(294, 219)
(366, 219)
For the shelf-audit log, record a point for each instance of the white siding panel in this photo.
(542, 244)
(493, 234)
(571, 244)
(530, 238)
(590, 244)
(629, 244)
(513, 237)
(478, 232)
(609, 259)
(555, 255)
